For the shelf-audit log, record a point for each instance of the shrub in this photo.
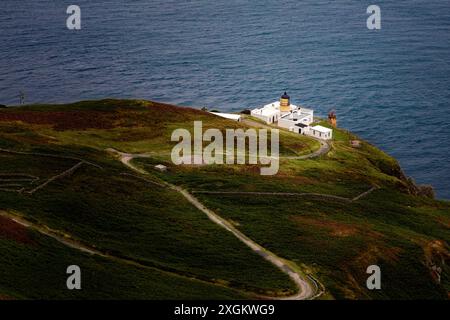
(426, 191)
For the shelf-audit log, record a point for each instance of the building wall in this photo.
(266, 118)
(317, 134)
(308, 119)
(259, 116)
(285, 123)
(289, 123)
(296, 129)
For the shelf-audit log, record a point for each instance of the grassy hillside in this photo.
(102, 205)
(34, 267)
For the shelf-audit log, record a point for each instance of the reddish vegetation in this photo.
(155, 113)
(437, 255)
(62, 120)
(163, 107)
(335, 228)
(375, 252)
(445, 221)
(298, 180)
(14, 231)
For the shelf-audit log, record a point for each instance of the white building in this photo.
(231, 116)
(270, 113)
(161, 167)
(294, 118)
(297, 120)
(321, 132)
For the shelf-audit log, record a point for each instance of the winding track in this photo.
(69, 241)
(291, 194)
(308, 287)
(324, 145)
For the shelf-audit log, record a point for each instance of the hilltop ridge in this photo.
(332, 237)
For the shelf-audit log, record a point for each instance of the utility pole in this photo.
(21, 98)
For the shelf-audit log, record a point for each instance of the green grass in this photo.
(405, 235)
(103, 208)
(38, 271)
(338, 240)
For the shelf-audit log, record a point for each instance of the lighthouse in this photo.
(285, 103)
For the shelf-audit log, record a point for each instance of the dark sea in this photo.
(390, 86)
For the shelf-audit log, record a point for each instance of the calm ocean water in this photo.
(391, 86)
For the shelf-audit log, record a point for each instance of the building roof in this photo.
(161, 167)
(302, 114)
(272, 109)
(275, 104)
(298, 113)
(269, 109)
(321, 129)
(305, 110)
(230, 116)
(285, 96)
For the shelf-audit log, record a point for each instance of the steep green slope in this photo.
(34, 267)
(335, 239)
(120, 214)
(129, 217)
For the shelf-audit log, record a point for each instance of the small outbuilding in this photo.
(321, 132)
(161, 168)
(230, 116)
(355, 143)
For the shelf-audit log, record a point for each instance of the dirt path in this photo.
(364, 194)
(324, 146)
(57, 235)
(306, 291)
(70, 242)
(58, 176)
(31, 179)
(293, 194)
(308, 287)
(48, 155)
